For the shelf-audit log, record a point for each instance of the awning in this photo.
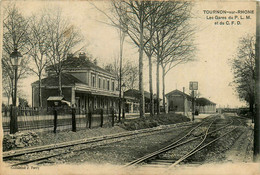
(55, 98)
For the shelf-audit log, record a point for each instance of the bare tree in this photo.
(153, 24)
(172, 41)
(63, 38)
(243, 66)
(180, 50)
(134, 15)
(140, 20)
(128, 72)
(164, 17)
(39, 44)
(130, 79)
(15, 36)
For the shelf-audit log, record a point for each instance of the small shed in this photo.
(57, 101)
(178, 101)
(205, 106)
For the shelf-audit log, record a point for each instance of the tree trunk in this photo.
(141, 50)
(40, 90)
(151, 86)
(251, 107)
(157, 85)
(256, 154)
(141, 87)
(120, 74)
(163, 90)
(60, 84)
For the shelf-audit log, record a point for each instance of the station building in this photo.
(84, 84)
(132, 100)
(177, 101)
(205, 106)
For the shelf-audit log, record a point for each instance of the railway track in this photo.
(20, 157)
(154, 160)
(30, 155)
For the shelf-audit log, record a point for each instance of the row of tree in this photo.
(43, 39)
(244, 70)
(160, 30)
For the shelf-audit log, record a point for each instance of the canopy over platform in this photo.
(55, 98)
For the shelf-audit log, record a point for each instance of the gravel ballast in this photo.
(47, 138)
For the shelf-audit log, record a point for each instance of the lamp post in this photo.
(15, 59)
(123, 89)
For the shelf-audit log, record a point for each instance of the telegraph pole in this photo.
(193, 86)
(257, 81)
(193, 111)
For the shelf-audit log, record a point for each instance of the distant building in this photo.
(84, 84)
(177, 101)
(132, 100)
(205, 106)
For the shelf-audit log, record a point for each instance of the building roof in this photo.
(136, 94)
(79, 63)
(178, 92)
(66, 80)
(55, 98)
(204, 102)
(199, 101)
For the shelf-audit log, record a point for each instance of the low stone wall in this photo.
(20, 140)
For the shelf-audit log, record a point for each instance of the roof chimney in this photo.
(82, 55)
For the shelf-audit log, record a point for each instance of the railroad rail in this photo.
(12, 154)
(84, 143)
(183, 140)
(200, 146)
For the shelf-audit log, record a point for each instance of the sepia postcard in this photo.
(129, 87)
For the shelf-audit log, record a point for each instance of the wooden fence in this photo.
(40, 120)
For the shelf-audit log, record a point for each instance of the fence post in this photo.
(73, 120)
(5, 111)
(89, 118)
(86, 115)
(113, 117)
(101, 118)
(55, 119)
(13, 120)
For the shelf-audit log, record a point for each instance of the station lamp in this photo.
(15, 60)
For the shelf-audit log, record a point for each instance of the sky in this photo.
(215, 45)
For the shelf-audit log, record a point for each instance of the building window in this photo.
(99, 82)
(104, 84)
(108, 84)
(113, 86)
(93, 81)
